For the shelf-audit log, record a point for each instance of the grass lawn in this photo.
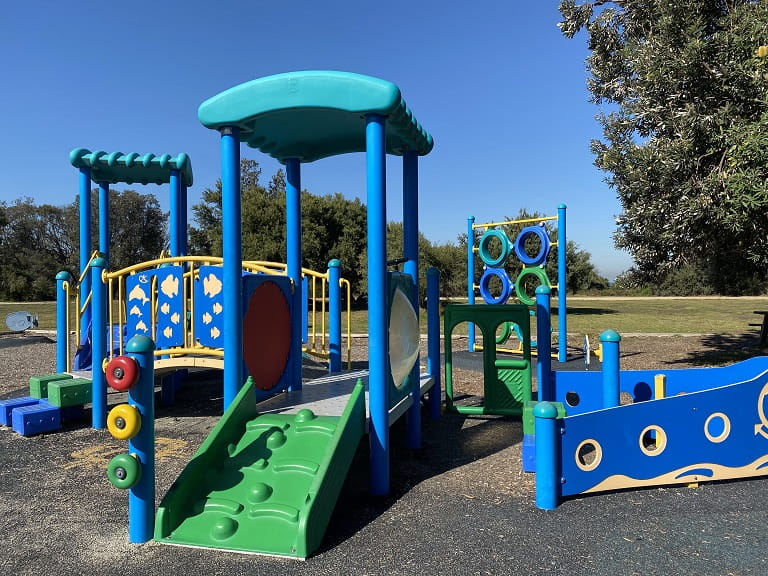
(585, 315)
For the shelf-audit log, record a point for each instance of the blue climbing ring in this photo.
(544, 245)
(506, 286)
(486, 238)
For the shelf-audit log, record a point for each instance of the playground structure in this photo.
(298, 117)
(267, 477)
(161, 299)
(179, 312)
(614, 429)
(494, 248)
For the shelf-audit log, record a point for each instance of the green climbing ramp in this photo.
(265, 484)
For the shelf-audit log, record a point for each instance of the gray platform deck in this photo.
(328, 396)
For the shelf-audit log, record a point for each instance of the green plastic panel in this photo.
(265, 484)
(74, 392)
(507, 380)
(133, 168)
(529, 422)
(38, 385)
(311, 115)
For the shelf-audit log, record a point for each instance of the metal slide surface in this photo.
(264, 484)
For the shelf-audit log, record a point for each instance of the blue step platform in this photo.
(29, 416)
(36, 418)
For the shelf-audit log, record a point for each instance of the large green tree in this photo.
(34, 246)
(36, 242)
(137, 228)
(682, 90)
(332, 226)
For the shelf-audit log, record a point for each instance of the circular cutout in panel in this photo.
(403, 337)
(572, 398)
(266, 335)
(537, 236)
(489, 241)
(588, 455)
(653, 440)
(502, 284)
(717, 427)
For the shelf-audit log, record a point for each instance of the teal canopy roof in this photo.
(133, 168)
(314, 114)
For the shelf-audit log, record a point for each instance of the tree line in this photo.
(36, 242)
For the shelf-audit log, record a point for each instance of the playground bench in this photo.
(763, 326)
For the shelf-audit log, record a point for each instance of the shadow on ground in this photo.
(720, 349)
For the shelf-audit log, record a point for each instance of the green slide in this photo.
(265, 484)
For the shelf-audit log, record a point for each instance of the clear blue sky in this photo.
(494, 82)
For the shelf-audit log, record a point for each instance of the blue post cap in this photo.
(610, 336)
(541, 289)
(562, 206)
(98, 262)
(545, 410)
(335, 263)
(140, 344)
(64, 275)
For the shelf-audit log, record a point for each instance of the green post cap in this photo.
(64, 275)
(335, 263)
(140, 344)
(541, 289)
(610, 336)
(545, 410)
(99, 262)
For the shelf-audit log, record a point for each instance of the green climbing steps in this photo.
(265, 484)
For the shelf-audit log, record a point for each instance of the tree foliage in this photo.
(37, 242)
(332, 227)
(335, 227)
(682, 89)
(34, 246)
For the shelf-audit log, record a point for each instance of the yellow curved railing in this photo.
(192, 353)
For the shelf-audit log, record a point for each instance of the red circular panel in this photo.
(266, 335)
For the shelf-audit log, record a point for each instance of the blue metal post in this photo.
(378, 341)
(547, 472)
(175, 217)
(471, 278)
(233, 263)
(183, 247)
(305, 309)
(611, 369)
(433, 340)
(334, 316)
(411, 267)
(85, 241)
(544, 344)
(104, 221)
(141, 498)
(62, 325)
(562, 287)
(99, 345)
(293, 258)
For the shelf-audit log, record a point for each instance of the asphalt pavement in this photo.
(459, 505)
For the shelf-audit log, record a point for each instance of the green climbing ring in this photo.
(536, 271)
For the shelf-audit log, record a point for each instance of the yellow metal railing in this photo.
(317, 321)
